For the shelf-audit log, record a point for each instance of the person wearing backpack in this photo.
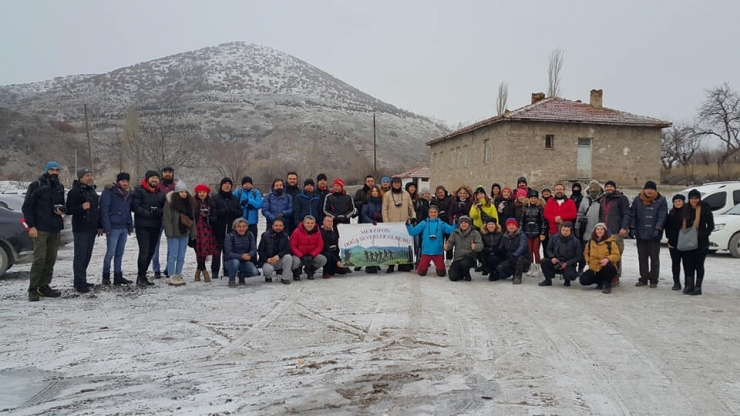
(602, 255)
(563, 254)
(588, 216)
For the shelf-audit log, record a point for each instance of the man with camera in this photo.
(82, 204)
(563, 254)
(43, 210)
(147, 204)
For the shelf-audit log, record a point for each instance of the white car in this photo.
(726, 234)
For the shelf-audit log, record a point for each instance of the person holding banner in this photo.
(398, 207)
(330, 235)
(372, 213)
(467, 243)
(432, 231)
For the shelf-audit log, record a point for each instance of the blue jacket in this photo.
(251, 202)
(115, 209)
(273, 205)
(235, 245)
(514, 246)
(372, 212)
(431, 227)
(565, 249)
(303, 205)
(649, 221)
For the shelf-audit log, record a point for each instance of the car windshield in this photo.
(14, 202)
(734, 210)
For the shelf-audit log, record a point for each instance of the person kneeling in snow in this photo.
(306, 245)
(330, 236)
(432, 232)
(492, 255)
(239, 250)
(467, 243)
(602, 256)
(563, 254)
(274, 252)
(514, 247)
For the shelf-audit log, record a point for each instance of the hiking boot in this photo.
(157, 275)
(285, 281)
(566, 283)
(653, 285)
(640, 283)
(599, 286)
(695, 291)
(206, 276)
(142, 281)
(442, 272)
(326, 276)
(310, 276)
(268, 279)
(232, 283)
(606, 290)
(176, 280)
(215, 274)
(546, 282)
(106, 279)
(118, 279)
(357, 269)
(90, 285)
(494, 276)
(391, 269)
(676, 286)
(371, 269)
(82, 289)
(48, 292)
(197, 275)
(467, 278)
(517, 279)
(297, 274)
(33, 296)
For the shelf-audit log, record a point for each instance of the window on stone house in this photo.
(549, 141)
(465, 156)
(459, 157)
(440, 159)
(434, 160)
(486, 151)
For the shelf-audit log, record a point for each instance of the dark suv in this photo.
(15, 244)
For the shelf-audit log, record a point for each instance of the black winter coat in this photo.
(532, 221)
(506, 210)
(514, 245)
(340, 206)
(227, 209)
(361, 198)
(147, 206)
(673, 223)
(372, 212)
(568, 250)
(305, 204)
(614, 211)
(272, 244)
(331, 245)
(443, 204)
(457, 209)
(38, 207)
(492, 242)
(84, 221)
(421, 206)
(706, 223)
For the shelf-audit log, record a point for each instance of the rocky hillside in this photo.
(280, 112)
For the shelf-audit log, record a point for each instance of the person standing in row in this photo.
(588, 217)
(115, 218)
(179, 228)
(647, 217)
(614, 211)
(43, 210)
(698, 215)
(397, 207)
(339, 205)
(559, 209)
(277, 204)
(147, 204)
(362, 195)
(205, 243)
(83, 205)
(251, 201)
(228, 209)
(372, 213)
(534, 226)
(165, 185)
(306, 203)
(673, 224)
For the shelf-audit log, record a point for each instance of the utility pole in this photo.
(375, 154)
(89, 143)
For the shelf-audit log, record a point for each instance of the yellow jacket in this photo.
(489, 211)
(597, 251)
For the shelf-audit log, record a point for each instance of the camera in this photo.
(398, 204)
(432, 237)
(205, 211)
(559, 264)
(61, 208)
(154, 209)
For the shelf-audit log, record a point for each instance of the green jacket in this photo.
(171, 221)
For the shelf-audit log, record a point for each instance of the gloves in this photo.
(244, 203)
(279, 216)
(414, 221)
(307, 261)
(656, 234)
(375, 223)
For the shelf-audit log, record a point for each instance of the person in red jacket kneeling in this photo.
(306, 245)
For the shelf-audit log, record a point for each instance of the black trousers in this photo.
(549, 270)
(147, 239)
(676, 258)
(648, 255)
(459, 269)
(511, 267)
(490, 261)
(83, 248)
(693, 266)
(603, 277)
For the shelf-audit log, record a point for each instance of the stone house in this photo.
(551, 140)
(418, 175)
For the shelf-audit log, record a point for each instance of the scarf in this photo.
(647, 201)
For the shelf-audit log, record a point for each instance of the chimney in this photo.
(596, 98)
(537, 97)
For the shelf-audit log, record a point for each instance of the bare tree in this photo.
(132, 139)
(168, 138)
(680, 143)
(502, 98)
(557, 59)
(230, 158)
(719, 116)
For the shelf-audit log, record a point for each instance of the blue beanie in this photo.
(385, 179)
(51, 165)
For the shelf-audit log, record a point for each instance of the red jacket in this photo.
(567, 211)
(304, 243)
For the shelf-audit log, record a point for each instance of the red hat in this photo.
(339, 182)
(506, 188)
(201, 187)
(512, 221)
(521, 192)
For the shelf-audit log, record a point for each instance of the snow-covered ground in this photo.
(394, 344)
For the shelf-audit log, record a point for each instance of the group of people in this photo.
(502, 233)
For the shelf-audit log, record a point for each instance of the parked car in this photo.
(15, 202)
(15, 244)
(721, 196)
(726, 234)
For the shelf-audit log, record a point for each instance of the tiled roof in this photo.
(417, 172)
(560, 110)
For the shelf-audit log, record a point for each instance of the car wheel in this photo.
(735, 245)
(4, 261)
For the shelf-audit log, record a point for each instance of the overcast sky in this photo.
(437, 58)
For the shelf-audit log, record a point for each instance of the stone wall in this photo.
(627, 155)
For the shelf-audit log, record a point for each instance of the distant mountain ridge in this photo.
(275, 103)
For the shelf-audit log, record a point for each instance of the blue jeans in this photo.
(115, 245)
(245, 268)
(176, 248)
(155, 259)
